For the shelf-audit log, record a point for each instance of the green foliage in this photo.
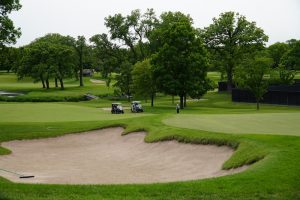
(51, 56)
(180, 64)
(250, 75)
(292, 57)
(230, 38)
(133, 30)
(124, 79)
(108, 56)
(10, 58)
(276, 52)
(282, 75)
(143, 83)
(8, 32)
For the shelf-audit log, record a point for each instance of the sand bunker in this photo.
(97, 81)
(106, 157)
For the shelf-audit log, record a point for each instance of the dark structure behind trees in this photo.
(276, 94)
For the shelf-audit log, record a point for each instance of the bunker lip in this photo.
(106, 157)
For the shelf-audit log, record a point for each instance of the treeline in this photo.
(153, 54)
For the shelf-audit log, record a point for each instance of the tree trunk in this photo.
(80, 71)
(181, 101)
(43, 82)
(76, 74)
(184, 100)
(257, 105)
(152, 100)
(56, 84)
(61, 84)
(47, 83)
(172, 99)
(229, 79)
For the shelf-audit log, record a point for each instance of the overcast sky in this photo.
(280, 19)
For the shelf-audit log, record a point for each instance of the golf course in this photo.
(149, 100)
(264, 143)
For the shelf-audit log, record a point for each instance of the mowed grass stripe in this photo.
(261, 123)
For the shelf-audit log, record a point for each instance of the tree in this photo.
(80, 48)
(250, 75)
(180, 64)
(48, 57)
(133, 30)
(108, 55)
(292, 57)
(9, 58)
(124, 79)
(8, 32)
(232, 37)
(143, 82)
(276, 52)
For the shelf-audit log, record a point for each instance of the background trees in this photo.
(48, 57)
(133, 31)
(180, 62)
(231, 37)
(81, 50)
(8, 32)
(250, 75)
(143, 82)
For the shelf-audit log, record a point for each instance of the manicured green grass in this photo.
(274, 173)
(55, 112)
(266, 123)
(9, 82)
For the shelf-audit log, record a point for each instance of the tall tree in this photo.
(8, 32)
(180, 63)
(133, 30)
(231, 36)
(143, 82)
(80, 48)
(250, 75)
(107, 55)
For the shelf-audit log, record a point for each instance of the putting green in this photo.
(265, 123)
(55, 112)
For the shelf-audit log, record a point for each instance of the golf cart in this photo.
(136, 107)
(116, 108)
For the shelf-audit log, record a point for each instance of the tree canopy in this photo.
(8, 32)
(250, 75)
(231, 37)
(180, 61)
(143, 82)
(48, 57)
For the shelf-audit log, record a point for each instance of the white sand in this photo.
(106, 157)
(97, 81)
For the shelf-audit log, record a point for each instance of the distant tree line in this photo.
(153, 54)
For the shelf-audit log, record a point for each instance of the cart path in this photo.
(106, 157)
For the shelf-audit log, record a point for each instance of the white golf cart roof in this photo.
(138, 102)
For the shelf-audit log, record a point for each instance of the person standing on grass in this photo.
(177, 108)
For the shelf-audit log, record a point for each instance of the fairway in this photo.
(264, 123)
(55, 112)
